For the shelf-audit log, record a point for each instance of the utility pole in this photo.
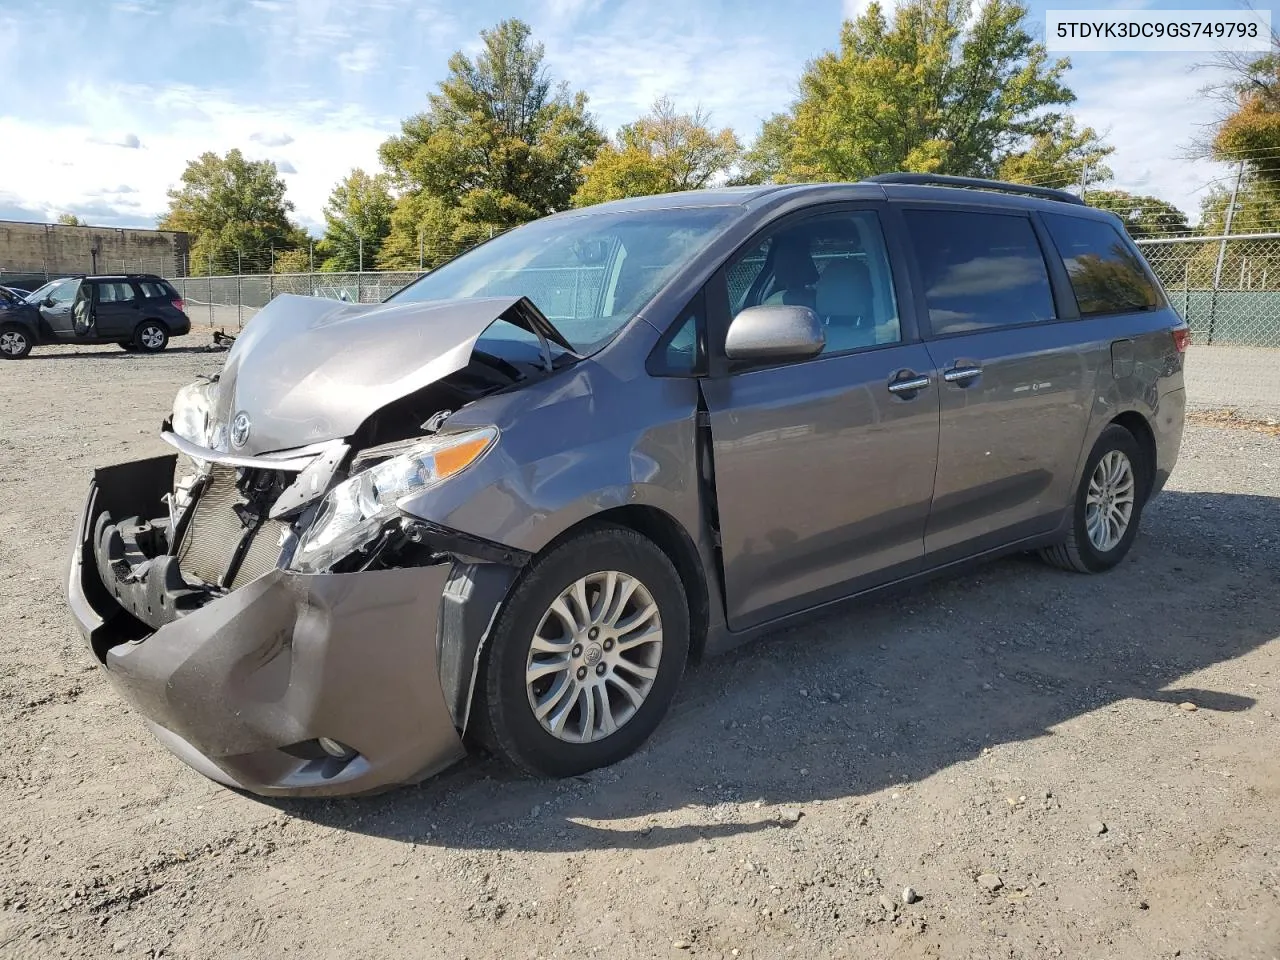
(1222, 253)
(360, 254)
(420, 260)
(1084, 179)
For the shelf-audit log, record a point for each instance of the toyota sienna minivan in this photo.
(509, 504)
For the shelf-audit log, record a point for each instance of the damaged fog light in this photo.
(354, 512)
(335, 749)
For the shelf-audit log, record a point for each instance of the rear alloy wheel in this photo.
(586, 655)
(1107, 507)
(151, 337)
(15, 342)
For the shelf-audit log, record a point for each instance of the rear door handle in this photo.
(962, 376)
(908, 383)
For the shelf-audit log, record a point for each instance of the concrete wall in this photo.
(51, 249)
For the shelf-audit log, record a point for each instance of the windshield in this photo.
(589, 275)
(35, 296)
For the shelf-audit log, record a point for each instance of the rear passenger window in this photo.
(153, 290)
(1106, 276)
(115, 292)
(981, 270)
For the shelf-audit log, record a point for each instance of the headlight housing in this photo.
(354, 512)
(193, 412)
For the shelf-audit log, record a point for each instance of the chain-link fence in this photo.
(227, 302)
(1227, 288)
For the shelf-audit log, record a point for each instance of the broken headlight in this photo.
(354, 512)
(193, 412)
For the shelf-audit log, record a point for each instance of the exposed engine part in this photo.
(434, 422)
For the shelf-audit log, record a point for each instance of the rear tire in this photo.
(559, 700)
(15, 341)
(152, 336)
(1107, 507)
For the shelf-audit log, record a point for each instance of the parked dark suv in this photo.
(138, 311)
(510, 502)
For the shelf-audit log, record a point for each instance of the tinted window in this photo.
(153, 290)
(113, 292)
(980, 270)
(836, 265)
(1106, 275)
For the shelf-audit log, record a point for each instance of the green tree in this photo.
(663, 152)
(499, 145)
(232, 206)
(927, 92)
(70, 220)
(1059, 158)
(1142, 216)
(357, 221)
(766, 160)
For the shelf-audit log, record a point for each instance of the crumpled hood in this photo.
(309, 369)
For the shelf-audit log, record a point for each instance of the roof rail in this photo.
(976, 183)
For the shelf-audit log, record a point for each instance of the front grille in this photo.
(216, 530)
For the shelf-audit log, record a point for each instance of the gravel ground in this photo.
(1018, 746)
(1246, 379)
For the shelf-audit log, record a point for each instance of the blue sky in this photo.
(105, 100)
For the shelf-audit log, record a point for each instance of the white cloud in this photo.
(360, 59)
(271, 139)
(856, 8)
(333, 139)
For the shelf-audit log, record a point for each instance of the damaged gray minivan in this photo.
(509, 504)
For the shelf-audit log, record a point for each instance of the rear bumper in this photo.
(1167, 425)
(242, 687)
(180, 327)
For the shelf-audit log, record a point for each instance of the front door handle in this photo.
(908, 383)
(962, 376)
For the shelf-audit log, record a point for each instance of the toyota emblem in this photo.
(240, 426)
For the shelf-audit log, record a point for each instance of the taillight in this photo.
(1181, 338)
(178, 304)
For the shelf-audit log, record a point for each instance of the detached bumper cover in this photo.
(242, 687)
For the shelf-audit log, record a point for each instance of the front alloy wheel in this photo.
(586, 655)
(15, 343)
(594, 657)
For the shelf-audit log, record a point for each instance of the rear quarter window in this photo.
(160, 291)
(1107, 276)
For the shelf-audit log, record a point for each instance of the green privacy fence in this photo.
(1242, 318)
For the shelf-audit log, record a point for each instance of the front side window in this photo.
(1106, 276)
(834, 264)
(589, 274)
(980, 270)
(64, 291)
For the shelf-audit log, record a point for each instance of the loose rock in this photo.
(1188, 706)
(909, 895)
(1098, 827)
(989, 881)
(790, 815)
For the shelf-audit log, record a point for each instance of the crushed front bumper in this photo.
(243, 687)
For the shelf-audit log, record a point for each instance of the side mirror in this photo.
(47, 302)
(774, 333)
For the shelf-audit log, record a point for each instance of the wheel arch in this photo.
(1140, 430)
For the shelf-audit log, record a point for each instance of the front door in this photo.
(57, 315)
(823, 469)
(1016, 384)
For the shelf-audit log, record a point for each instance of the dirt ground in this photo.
(1016, 745)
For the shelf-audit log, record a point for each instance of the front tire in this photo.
(586, 655)
(15, 341)
(152, 336)
(1107, 507)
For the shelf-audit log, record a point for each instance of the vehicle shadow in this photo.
(886, 693)
(110, 351)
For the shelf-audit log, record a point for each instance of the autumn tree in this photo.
(500, 144)
(929, 91)
(235, 212)
(662, 152)
(357, 222)
(70, 220)
(1060, 158)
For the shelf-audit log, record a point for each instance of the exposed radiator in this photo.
(215, 532)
